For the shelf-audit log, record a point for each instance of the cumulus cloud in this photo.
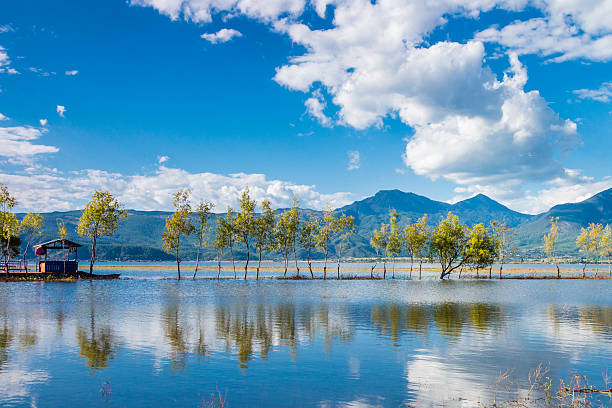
(315, 106)
(354, 160)
(43, 122)
(17, 143)
(163, 159)
(61, 110)
(72, 72)
(569, 30)
(3, 117)
(221, 36)
(603, 94)
(50, 190)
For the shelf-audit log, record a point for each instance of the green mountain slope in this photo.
(139, 237)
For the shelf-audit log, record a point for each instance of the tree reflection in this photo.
(6, 338)
(97, 347)
(598, 319)
(175, 334)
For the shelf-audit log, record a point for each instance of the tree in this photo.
(9, 225)
(294, 229)
(394, 245)
(503, 238)
(591, 240)
(101, 217)
(244, 224)
(31, 226)
(325, 234)
(264, 226)
(178, 225)
(203, 212)
(606, 246)
(550, 243)
(481, 249)
(221, 241)
(230, 234)
(344, 227)
(380, 241)
(448, 243)
(416, 236)
(308, 234)
(283, 236)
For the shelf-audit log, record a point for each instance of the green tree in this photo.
(178, 225)
(222, 238)
(606, 246)
(416, 236)
(244, 225)
(325, 234)
(343, 227)
(591, 240)
(503, 238)
(203, 213)
(550, 243)
(283, 236)
(230, 234)
(263, 237)
(481, 248)
(380, 241)
(294, 229)
(308, 234)
(31, 226)
(394, 246)
(101, 217)
(9, 225)
(448, 243)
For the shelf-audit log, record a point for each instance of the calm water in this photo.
(159, 343)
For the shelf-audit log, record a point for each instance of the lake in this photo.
(158, 343)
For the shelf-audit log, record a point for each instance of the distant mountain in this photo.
(139, 237)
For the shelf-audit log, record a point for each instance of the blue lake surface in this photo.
(160, 343)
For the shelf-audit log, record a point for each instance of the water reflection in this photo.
(394, 347)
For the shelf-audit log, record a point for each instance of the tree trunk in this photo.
(420, 268)
(233, 260)
(25, 254)
(338, 268)
(178, 264)
(7, 256)
(411, 263)
(197, 261)
(393, 272)
(258, 264)
(501, 266)
(297, 268)
(584, 270)
(286, 256)
(558, 273)
(310, 265)
(246, 265)
(384, 270)
(477, 277)
(490, 267)
(372, 270)
(325, 266)
(460, 271)
(93, 255)
(219, 254)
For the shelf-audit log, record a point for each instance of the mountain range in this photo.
(139, 237)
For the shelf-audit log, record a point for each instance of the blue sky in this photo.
(328, 100)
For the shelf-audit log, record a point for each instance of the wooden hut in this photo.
(61, 266)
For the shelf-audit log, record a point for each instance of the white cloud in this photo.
(61, 110)
(315, 105)
(5, 62)
(603, 94)
(354, 160)
(570, 29)
(43, 122)
(72, 72)
(17, 143)
(6, 28)
(48, 190)
(3, 117)
(221, 36)
(163, 159)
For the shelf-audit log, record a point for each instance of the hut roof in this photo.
(58, 244)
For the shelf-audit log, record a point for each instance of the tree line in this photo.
(259, 232)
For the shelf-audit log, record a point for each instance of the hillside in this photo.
(139, 237)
